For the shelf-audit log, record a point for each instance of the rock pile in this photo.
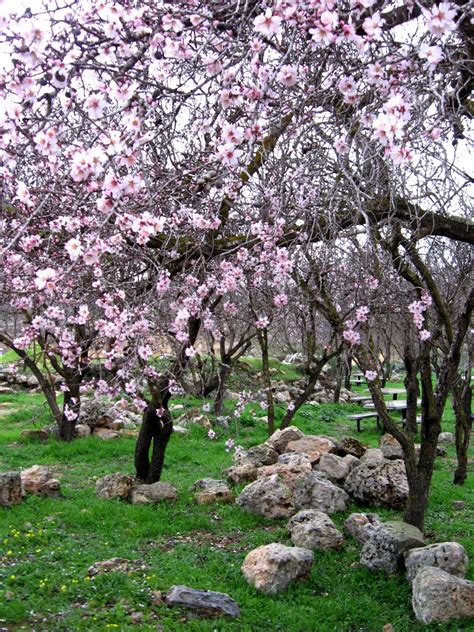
(34, 480)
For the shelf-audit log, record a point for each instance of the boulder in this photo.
(114, 486)
(373, 456)
(289, 473)
(10, 488)
(390, 447)
(271, 568)
(312, 529)
(446, 438)
(449, 556)
(96, 413)
(385, 549)
(82, 430)
(384, 484)
(334, 467)
(260, 455)
(205, 601)
(180, 429)
(244, 473)
(207, 483)
(280, 438)
(293, 459)
(34, 477)
(441, 597)
(269, 497)
(154, 493)
(311, 446)
(218, 494)
(352, 461)
(315, 491)
(51, 488)
(349, 445)
(34, 435)
(105, 433)
(361, 526)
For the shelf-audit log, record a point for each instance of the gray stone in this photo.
(293, 459)
(34, 435)
(385, 549)
(446, 438)
(373, 456)
(271, 568)
(205, 601)
(311, 446)
(390, 447)
(361, 526)
(449, 556)
(441, 597)
(180, 430)
(269, 497)
(35, 479)
(207, 483)
(379, 483)
(280, 438)
(349, 445)
(315, 491)
(245, 473)
(114, 486)
(218, 494)
(352, 461)
(10, 488)
(312, 529)
(105, 433)
(334, 467)
(261, 455)
(82, 430)
(154, 493)
(288, 472)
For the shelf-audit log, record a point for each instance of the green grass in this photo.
(47, 545)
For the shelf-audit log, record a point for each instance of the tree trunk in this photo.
(412, 388)
(155, 432)
(224, 372)
(339, 378)
(462, 401)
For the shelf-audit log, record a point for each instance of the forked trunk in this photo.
(462, 401)
(155, 432)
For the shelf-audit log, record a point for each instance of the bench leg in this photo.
(379, 425)
(358, 425)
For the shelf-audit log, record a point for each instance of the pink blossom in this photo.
(351, 336)
(341, 146)
(362, 314)
(440, 18)
(145, 352)
(371, 375)
(287, 75)
(267, 24)
(229, 444)
(262, 322)
(280, 300)
(228, 154)
(373, 25)
(424, 334)
(211, 434)
(95, 105)
(432, 54)
(74, 249)
(46, 279)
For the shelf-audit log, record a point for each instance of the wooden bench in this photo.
(360, 416)
(360, 399)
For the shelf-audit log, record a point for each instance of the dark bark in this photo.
(155, 430)
(224, 372)
(412, 388)
(462, 402)
(267, 381)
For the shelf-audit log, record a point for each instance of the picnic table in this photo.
(360, 416)
(395, 392)
(359, 399)
(400, 405)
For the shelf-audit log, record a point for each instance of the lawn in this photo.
(47, 545)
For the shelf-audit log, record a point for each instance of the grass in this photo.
(47, 545)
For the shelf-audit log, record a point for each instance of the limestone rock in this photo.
(115, 565)
(311, 446)
(154, 493)
(315, 491)
(441, 597)
(384, 484)
(34, 435)
(261, 455)
(312, 529)
(361, 526)
(269, 497)
(289, 473)
(180, 429)
(51, 488)
(334, 467)
(449, 556)
(271, 568)
(82, 430)
(207, 483)
(294, 460)
(351, 460)
(373, 456)
(349, 445)
(446, 438)
(280, 438)
(204, 601)
(219, 494)
(390, 447)
(114, 486)
(96, 412)
(244, 473)
(386, 547)
(10, 488)
(105, 433)
(34, 477)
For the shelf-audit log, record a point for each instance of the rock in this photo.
(373, 456)
(361, 526)
(390, 447)
(312, 529)
(440, 451)
(283, 397)
(51, 488)
(352, 461)
(174, 408)
(10, 488)
(244, 473)
(271, 568)
(115, 565)
(154, 493)
(446, 438)
(315, 491)
(386, 547)
(449, 556)
(207, 483)
(34, 477)
(199, 420)
(293, 459)
(205, 601)
(441, 597)
(459, 504)
(180, 430)
(96, 413)
(114, 486)
(34, 435)
(82, 430)
(334, 467)
(105, 434)
(311, 446)
(221, 494)
(288, 472)
(349, 445)
(269, 497)
(384, 484)
(280, 438)
(261, 455)
(121, 424)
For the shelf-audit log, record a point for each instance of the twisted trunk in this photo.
(462, 401)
